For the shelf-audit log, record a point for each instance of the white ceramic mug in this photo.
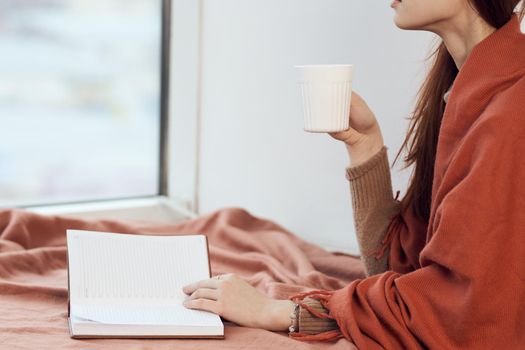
(326, 93)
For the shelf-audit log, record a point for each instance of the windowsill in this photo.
(158, 209)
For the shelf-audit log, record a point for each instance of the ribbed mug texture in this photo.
(326, 105)
(326, 93)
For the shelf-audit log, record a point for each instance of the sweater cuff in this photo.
(370, 182)
(309, 323)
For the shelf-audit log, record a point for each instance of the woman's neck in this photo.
(462, 34)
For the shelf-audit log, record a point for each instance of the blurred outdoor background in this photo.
(79, 99)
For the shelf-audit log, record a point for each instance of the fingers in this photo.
(205, 293)
(211, 283)
(337, 134)
(354, 93)
(357, 101)
(202, 298)
(203, 304)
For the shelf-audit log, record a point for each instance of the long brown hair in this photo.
(422, 137)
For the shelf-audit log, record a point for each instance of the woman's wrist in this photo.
(277, 317)
(359, 154)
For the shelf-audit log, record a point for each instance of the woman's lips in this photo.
(395, 3)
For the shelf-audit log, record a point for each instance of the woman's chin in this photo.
(404, 24)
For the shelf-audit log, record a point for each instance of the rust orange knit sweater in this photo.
(458, 282)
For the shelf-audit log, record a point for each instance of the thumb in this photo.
(350, 136)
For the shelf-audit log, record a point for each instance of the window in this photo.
(82, 100)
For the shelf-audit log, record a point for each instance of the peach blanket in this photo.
(33, 276)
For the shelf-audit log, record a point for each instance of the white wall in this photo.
(184, 101)
(253, 152)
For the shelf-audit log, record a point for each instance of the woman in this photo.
(446, 265)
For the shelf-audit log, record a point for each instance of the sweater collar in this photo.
(492, 62)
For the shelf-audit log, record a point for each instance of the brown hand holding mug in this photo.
(363, 139)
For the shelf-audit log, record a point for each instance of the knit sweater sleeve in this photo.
(374, 207)
(389, 237)
(310, 323)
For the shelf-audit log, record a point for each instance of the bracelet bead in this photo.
(294, 319)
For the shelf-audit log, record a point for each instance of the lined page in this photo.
(150, 314)
(107, 270)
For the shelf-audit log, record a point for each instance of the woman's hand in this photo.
(234, 299)
(363, 139)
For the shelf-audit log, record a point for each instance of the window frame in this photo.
(165, 55)
(170, 203)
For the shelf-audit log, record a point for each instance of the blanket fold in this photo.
(33, 276)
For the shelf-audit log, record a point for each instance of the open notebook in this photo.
(123, 285)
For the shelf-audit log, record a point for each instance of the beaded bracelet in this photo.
(294, 319)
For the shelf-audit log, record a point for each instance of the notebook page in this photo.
(150, 314)
(116, 271)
